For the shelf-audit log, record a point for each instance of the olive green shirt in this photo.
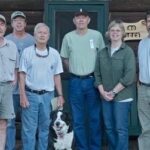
(81, 50)
(118, 68)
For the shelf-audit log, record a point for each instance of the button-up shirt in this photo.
(8, 61)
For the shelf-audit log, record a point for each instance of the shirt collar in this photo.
(121, 47)
(6, 43)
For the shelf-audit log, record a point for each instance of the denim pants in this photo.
(115, 115)
(36, 121)
(85, 107)
(11, 128)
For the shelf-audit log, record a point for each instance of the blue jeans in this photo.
(115, 115)
(36, 121)
(85, 107)
(11, 128)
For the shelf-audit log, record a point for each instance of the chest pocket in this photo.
(118, 63)
(10, 63)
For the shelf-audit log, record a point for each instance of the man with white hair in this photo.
(8, 64)
(40, 68)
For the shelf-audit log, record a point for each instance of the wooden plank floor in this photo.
(132, 144)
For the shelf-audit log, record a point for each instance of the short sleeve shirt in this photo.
(81, 50)
(40, 71)
(8, 61)
(21, 43)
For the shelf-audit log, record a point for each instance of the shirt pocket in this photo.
(10, 64)
(104, 63)
(118, 63)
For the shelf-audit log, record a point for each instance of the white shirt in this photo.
(40, 71)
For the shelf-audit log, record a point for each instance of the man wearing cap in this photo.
(22, 39)
(79, 50)
(8, 64)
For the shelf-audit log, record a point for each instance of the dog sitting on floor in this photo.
(61, 132)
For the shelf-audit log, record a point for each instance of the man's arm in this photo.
(66, 63)
(23, 98)
(16, 76)
(58, 85)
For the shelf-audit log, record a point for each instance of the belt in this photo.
(145, 84)
(7, 82)
(83, 76)
(35, 91)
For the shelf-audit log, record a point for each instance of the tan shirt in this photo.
(8, 61)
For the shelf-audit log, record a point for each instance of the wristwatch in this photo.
(114, 92)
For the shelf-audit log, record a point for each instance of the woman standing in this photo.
(115, 78)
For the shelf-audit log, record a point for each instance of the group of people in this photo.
(30, 69)
(102, 83)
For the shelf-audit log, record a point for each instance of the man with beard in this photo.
(144, 88)
(22, 39)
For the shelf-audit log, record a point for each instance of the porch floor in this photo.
(133, 144)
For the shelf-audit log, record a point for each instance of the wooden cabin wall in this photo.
(129, 11)
(33, 9)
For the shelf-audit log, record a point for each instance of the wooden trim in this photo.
(129, 5)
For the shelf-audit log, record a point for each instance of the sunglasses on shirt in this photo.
(42, 56)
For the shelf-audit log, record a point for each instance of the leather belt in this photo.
(35, 91)
(145, 84)
(83, 76)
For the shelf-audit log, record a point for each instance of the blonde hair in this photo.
(112, 24)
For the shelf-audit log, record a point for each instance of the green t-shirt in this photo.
(81, 50)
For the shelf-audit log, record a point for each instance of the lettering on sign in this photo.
(135, 31)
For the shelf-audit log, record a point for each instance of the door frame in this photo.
(51, 7)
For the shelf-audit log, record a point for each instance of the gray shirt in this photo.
(144, 60)
(8, 61)
(21, 44)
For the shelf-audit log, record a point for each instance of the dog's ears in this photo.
(68, 116)
(52, 134)
(52, 114)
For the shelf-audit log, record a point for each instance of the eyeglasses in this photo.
(42, 56)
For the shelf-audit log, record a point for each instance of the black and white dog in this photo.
(61, 132)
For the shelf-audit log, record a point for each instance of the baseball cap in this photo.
(81, 12)
(18, 14)
(2, 18)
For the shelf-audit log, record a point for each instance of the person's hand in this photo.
(14, 82)
(60, 101)
(111, 94)
(24, 101)
(107, 96)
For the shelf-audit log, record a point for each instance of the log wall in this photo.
(129, 11)
(32, 8)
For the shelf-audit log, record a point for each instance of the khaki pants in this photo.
(144, 116)
(6, 101)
